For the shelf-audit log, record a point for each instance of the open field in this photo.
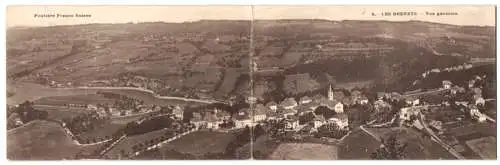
(127, 119)
(419, 147)
(358, 145)
(30, 91)
(355, 84)
(263, 147)
(102, 131)
(299, 83)
(229, 81)
(305, 151)
(201, 142)
(484, 147)
(41, 140)
(487, 129)
(472, 131)
(61, 112)
(74, 99)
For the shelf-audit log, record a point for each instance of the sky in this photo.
(24, 15)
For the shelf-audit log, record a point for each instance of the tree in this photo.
(258, 130)
(306, 118)
(331, 130)
(391, 149)
(325, 111)
(43, 115)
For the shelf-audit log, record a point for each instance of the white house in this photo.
(272, 115)
(241, 123)
(212, 121)
(472, 83)
(305, 100)
(339, 107)
(242, 118)
(292, 122)
(412, 101)
(363, 100)
(223, 115)
(480, 101)
(341, 120)
(474, 112)
(456, 89)
(178, 112)
(91, 107)
(272, 105)
(197, 119)
(319, 120)
(289, 103)
(260, 113)
(447, 84)
(381, 95)
(407, 112)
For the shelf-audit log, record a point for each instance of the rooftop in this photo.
(196, 117)
(210, 117)
(329, 103)
(271, 103)
(288, 102)
(447, 82)
(305, 98)
(304, 108)
(261, 109)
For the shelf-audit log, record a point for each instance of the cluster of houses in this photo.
(106, 110)
(476, 101)
(448, 69)
(211, 119)
(468, 105)
(288, 110)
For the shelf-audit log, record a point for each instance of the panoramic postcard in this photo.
(251, 82)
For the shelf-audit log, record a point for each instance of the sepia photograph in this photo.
(251, 82)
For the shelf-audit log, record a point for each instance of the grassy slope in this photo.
(74, 99)
(358, 146)
(201, 142)
(305, 151)
(41, 140)
(418, 147)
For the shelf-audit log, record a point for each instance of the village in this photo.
(260, 89)
(306, 113)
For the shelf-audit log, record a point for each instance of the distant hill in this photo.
(83, 53)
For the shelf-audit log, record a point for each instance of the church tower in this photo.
(330, 92)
